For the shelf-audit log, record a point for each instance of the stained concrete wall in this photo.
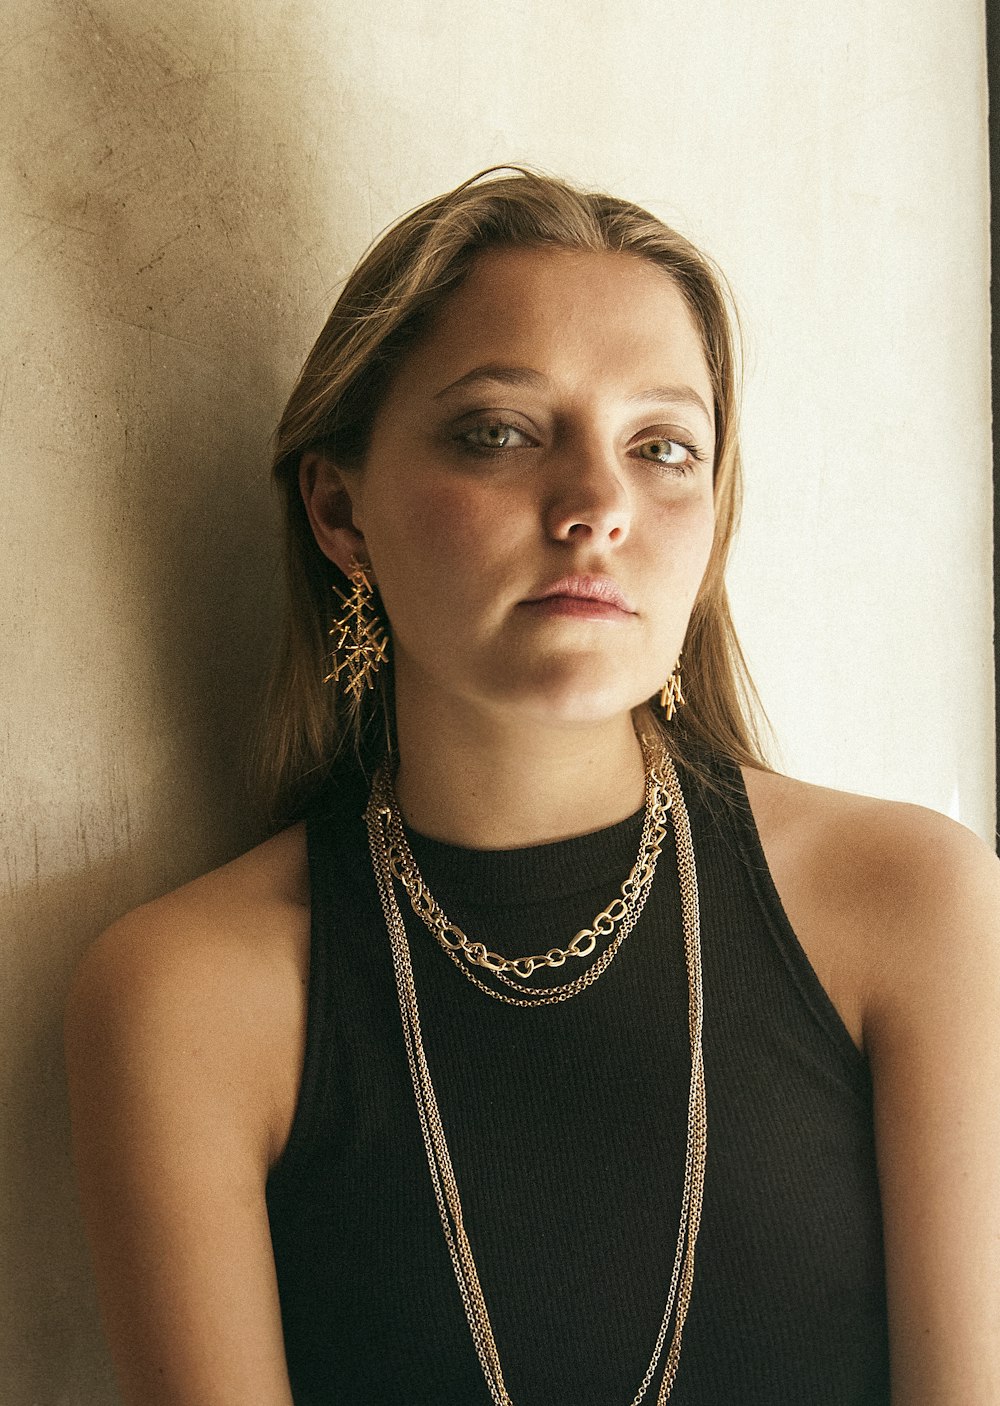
(184, 186)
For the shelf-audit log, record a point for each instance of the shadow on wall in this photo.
(177, 251)
(49, 1339)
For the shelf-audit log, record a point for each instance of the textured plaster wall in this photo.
(181, 189)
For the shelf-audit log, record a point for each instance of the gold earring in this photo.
(360, 642)
(670, 694)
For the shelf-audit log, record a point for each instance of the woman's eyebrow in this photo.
(499, 374)
(671, 395)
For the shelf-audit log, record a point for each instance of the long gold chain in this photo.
(378, 816)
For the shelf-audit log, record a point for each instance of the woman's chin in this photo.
(567, 697)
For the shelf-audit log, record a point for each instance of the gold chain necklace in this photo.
(377, 817)
(625, 910)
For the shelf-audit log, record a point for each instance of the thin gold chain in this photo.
(625, 909)
(377, 817)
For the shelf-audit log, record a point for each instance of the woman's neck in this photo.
(489, 784)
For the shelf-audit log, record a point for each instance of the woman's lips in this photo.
(585, 597)
(583, 606)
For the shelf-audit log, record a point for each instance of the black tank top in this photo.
(567, 1130)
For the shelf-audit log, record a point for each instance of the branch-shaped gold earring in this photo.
(359, 640)
(671, 696)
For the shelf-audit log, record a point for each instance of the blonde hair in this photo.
(385, 305)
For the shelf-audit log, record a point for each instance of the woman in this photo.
(381, 1111)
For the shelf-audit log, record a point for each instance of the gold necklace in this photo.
(625, 909)
(377, 815)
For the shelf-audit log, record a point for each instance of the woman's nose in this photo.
(588, 498)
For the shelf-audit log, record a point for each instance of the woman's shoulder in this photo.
(870, 845)
(220, 964)
(874, 888)
(241, 915)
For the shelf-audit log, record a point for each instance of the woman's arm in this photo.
(181, 1035)
(898, 909)
(932, 1032)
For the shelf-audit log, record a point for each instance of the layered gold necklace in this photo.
(391, 858)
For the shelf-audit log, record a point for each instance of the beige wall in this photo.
(184, 185)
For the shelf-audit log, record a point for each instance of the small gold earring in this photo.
(671, 696)
(359, 640)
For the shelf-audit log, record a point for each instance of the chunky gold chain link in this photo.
(625, 909)
(377, 816)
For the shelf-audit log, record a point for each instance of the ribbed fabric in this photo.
(567, 1128)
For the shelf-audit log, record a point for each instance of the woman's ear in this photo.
(331, 510)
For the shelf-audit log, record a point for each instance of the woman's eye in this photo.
(494, 435)
(669, 452)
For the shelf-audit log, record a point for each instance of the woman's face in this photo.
(556, 422)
